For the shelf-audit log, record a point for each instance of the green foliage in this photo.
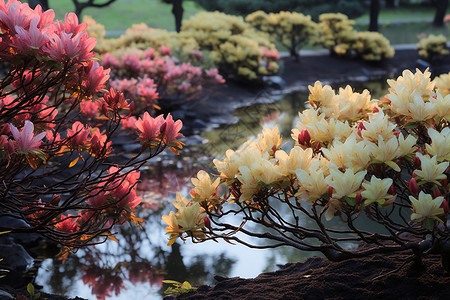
(314, 8)
(178, 287)
(33, 295)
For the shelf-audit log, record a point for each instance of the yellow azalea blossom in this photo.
(181, 201)
(312, 180)
(172, 227)
(442, 105)
(321, 128)
(406, 146)
(205, 188)
(419, 110)
(321, 96)
(350, 154)
(228, 168)
(376, 190)
(378, 125)
(269, 140)
(298, 158)
(426, 207)
(351, 106)
(191, 217)
(443, 84)
(346, 183)
(430, 169)
(385, 152)
(440, 144)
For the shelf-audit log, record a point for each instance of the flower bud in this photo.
(361, 127)
(435, 192)
(375, 110)
(358, 199)
(330, 191)
(444, 183)
(413, 187)
(417, 162)
(304, 138)
(444, 205)
(207, 222)
(391, 190)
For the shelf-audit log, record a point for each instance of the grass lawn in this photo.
(121, 14)
(409, 12)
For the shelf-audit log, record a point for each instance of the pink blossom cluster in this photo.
(58, 122)
(146, 76)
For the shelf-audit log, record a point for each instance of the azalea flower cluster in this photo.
(153, 78)
(387, 159)
(57, 129)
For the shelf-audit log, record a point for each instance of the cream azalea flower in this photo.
(351, 106)
(426, 207)
(322, 96)
(376, 190)
(297, 159)
(269, 140)
(419, 110)
(442, 105)
(228, 167)
(440, 144)
(204, 187)
(320, 128)
(385, 152)
(430, 169)
(406, 146)
(190, 217)
(346, 183)
(378, 125)
(443, 84)
(312, 181)
(350, 154)
(259, 171)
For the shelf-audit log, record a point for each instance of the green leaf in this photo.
(30, 289)
(350, 201)
(428, 223)
(186, 285)
(172, 282)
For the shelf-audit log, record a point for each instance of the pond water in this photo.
(137, 264)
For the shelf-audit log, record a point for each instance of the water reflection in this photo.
(136, 265)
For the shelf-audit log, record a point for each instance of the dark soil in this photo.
(375, 277)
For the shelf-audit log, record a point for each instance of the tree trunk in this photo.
(79, 6)
(441, 9)
(390, 3)
(374, 12)
(42, 3)
(177, 11)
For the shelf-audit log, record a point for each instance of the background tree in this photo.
(391, 3)
(374, 12)
(441, 9)
(177, 11)
(314, 8)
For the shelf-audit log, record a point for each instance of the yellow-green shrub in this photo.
(236, 48)
(337, 33)
(373, 46)
(432, 46)
(292, 29)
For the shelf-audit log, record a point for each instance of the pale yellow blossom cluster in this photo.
(412, 95)
(351, 153)
(431, 46)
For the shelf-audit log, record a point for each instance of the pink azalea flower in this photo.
(171, 129)
(25, 139)
(164, 50)
(96, 77)
(149, 127)
(15, 14)
(78, 135)
(33, 38)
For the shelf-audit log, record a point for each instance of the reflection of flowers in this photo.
(102, 281)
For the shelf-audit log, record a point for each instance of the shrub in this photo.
(373, 46)
(293, 30)
(337, 33)
(355, 160)
(237, 49)
(432, 46)
(58, 167)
